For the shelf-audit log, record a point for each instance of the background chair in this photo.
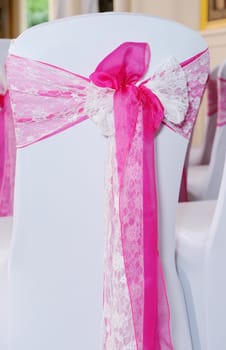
(5, 222)
(201, 245)
(4, 124)
(55, 269)
(201, 155)
(203, 181)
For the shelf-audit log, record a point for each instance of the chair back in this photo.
(56, 266)
(216, 280)
(211, 120)
(5, 223)
(216, 164)
(5, 203)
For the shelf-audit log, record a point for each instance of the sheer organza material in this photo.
(129, 113)
(7, 157)
(221, 118)
(212, 97)
(1, 138)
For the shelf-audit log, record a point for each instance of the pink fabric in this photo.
(7, 157)
(212, 97)
(193, 67)
(1, 138)
(183, 196)
(221, 117)
(120, 71)
(52, 99)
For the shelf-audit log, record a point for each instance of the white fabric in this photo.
(5, 242)
(204, 181)
(5, 225)
(56, 262)
(99, 103)
(198, 155)
(174, 108)
(201, 245)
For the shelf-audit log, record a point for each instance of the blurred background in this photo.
(206, 16)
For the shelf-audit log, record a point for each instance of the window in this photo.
(37, 12)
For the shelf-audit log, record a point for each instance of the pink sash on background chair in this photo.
(221, 118)
(204, 152)
(7, 156)
(204, 180)
(129, 113)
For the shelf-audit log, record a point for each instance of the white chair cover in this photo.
(5, 222)
(201, 245)
(203, 181)
(55, 271)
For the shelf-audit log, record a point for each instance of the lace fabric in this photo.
(196, 74)
(221, 118)
(75, 94)
(212, 97)
(136, 312)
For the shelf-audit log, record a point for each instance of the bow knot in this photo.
(153, 110)
(115, 79)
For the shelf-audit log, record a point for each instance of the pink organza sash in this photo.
(129, 113)
(221, 117)
(7, 157)
(1, 138)
(212, 97)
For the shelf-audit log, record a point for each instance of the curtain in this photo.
(63, 8)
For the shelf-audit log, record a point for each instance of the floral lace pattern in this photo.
(212, 97)
(76, 94)
(119, 331)
(51, 100)
(54, 99)
(168, 82)
(196, 73)
(221, 118)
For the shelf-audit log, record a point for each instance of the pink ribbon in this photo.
(121, 70)
(7, 156)
(1, 138)
(212, 97)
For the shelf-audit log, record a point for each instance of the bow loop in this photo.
(124, 66)
(164, 93)
(169, 83)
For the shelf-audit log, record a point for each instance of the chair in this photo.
(5, 202)
(201, 155)
(203, 181)
(5, 238)
(7, 144)
(200, 260)
(55, 269)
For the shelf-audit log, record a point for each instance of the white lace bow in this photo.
(168, 82)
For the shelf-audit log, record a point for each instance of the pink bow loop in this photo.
(124, 66)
